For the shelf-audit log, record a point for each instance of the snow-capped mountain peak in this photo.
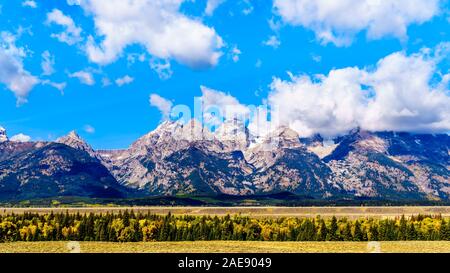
(75, 141)
(234, 135)
(189, 159)
(283, 137)
(190, 131)
(3, 136)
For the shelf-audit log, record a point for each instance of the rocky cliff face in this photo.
(360, 164)
(392, 165)
(188, 159)
(39, 170)
(75, 141)
(283, 163)
(234, 136)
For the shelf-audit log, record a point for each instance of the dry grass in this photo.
(349, 212)
(227, 247)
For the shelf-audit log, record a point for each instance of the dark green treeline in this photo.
(135, 227)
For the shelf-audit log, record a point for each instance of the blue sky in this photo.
(87, 90)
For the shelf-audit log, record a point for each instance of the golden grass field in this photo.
(227, 247)
(325, 212)
(239, 247)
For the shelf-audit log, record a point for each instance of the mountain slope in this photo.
(390, 166)
(285, 165)
(75, 141)
(195, 171)
(176, 159)
(56, 170)
(188, 159)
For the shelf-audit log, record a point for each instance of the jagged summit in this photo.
(283, 137)
(169, 137)
(75, 141)
(313, 140)
(3, 135)
(178, 158)
(190, 131)
(74, 134)
(285, 132)
(71, 137)
(234, 135)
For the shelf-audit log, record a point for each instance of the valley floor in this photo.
(227, 247)
(272, 212)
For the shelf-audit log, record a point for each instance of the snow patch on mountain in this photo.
(3, 135)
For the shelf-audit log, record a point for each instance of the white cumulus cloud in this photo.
(47, 63)
(12, 72)
(89, 129)
(399, 94)
(405, 97)
(162, 68)
(21, 138)
(71, 34)
(212, 5)
(327, 105)
(30, 4)
(338, 22)
(159, 26)
(59, 86)
(223, 105)
(124, 80)
(235, 53)
(273, 41)
(163, 105)
(84, 77)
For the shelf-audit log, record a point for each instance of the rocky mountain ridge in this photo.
(188, 159)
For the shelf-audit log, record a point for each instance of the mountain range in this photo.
(186, 159)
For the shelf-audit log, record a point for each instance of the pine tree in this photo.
(443, 231)
(447, 232)
(323, 231)
(358, 234)
(402, 232)
(137, 232)
(374, 234)
(307, 231)
(332, 234)
(126, 218)
(411, 233)
(82, 230)
(89, 231)
(347, 233)
(390, 231)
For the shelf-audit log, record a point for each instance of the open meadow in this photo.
(263, 232)
(275, 212)
(227, 247)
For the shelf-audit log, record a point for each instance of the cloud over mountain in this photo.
(20, 138)
(219, 105)
(163, 105)
(400, 93)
